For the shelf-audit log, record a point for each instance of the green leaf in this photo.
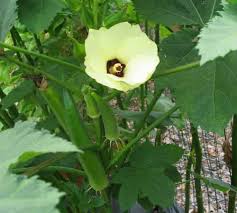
(37, 15)
(162, 106)
(17, 94)
(8, 16)
(147, 177)
(173, 174)
(218, 184)
(205, 93)
(17, 193)
(222, 30)
(24, 138)
(170, 12)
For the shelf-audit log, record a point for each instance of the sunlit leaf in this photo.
(222, 30)
(17, 193)
(8, 16)
(205, 93)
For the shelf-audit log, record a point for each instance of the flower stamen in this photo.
(115, 67)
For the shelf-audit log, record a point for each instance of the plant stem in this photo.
(38, 43)
(107, 208)
(51, 169)
(4, 123)
(21, 43)
(198, 167)
(15, 44)
(120, 104)
(7, 119)
(157, 34)
(95, 8)
(46, 74)
(187, 180)
(148, 111)
(232, 194)
(142, 97)
(128, 98)
(158, 137)
(48, 58)
(142, 134)
(12, 109)
(178, 69)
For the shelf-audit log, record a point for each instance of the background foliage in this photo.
(43, 86)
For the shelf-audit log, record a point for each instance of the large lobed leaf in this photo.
(37, 15)
(219, 37)
(205, 93)
(170, 12)
(147, 175)
(18, 193)
(8, 16)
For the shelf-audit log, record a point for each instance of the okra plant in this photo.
(88, 88)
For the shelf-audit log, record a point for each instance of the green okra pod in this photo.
(64, 108)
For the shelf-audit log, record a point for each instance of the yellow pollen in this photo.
(116, 68)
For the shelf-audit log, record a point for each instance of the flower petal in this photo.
(107, 81)
(130, 46)
(140, 69)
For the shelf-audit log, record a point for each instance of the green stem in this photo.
(142, 97)
(12, 109)
(177, 69)
(51, 169)
(107, 207)
(4, 123)
(120, 104)
(232, 194)
(46, 74)
(158, 137)
(147, 28)
(38, 43)
(21, 43)
(48, 58)
(95, 13)
(142, 134)
(198, 168)
(111, 95)
(148, 111)
(15, 44)
(128, 98)
(157, 34)
(4, 116)
(187, 181)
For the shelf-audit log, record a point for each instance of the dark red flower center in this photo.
(115, 67)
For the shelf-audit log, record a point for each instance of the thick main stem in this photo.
(198, 168)
(232, 194)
